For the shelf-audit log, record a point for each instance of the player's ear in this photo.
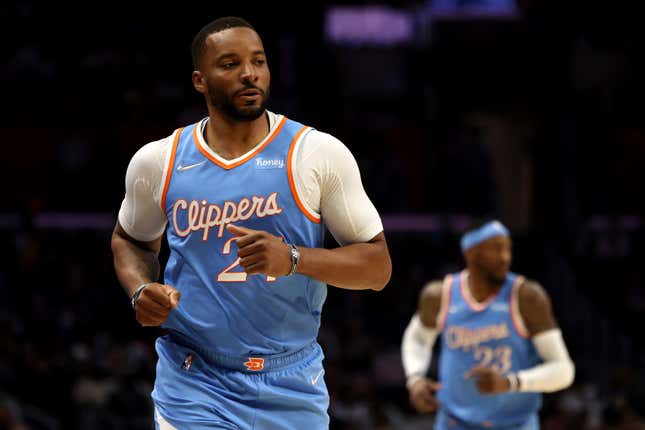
(198, 81)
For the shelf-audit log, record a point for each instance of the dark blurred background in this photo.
(529, 111)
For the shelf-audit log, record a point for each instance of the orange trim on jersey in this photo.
(468, 298)
(247, 157)
(446, 295)
(171, 164)
(516, 317)
(292, 183)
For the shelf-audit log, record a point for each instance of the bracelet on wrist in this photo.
(137, 293)
(295, 259)
(514, 382)
(412, 379)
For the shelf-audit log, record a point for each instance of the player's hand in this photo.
(488, 380)
(422, 395)
(261, 252)
(155, 303)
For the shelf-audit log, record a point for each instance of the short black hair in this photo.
(220, 24)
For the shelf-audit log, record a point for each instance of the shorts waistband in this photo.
(250, 363)
(452, 420)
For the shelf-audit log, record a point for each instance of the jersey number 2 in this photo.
(227, 275)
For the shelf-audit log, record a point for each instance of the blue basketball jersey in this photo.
(488, 334)
(222, 309)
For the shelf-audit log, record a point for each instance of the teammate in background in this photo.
(245, 193)
(500, 344)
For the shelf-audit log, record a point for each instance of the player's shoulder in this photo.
(157, 145)
(321, 150)
(531, 292)
(320, 138)
(431, 292)
(150, 159)
(430, 302)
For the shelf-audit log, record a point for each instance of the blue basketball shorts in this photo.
(198, 391)
(444, 421)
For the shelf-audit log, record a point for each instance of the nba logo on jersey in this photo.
(188, 361)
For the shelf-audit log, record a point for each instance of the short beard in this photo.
(490, 277)
(225, 105)
(494, 279)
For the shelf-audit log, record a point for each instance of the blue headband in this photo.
(485, 232)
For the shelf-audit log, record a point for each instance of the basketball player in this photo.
(244, 194)
(500, 344)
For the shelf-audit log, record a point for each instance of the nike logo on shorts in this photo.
(315, 379)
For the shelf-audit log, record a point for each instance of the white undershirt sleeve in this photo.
(326, 177)
(556, 372)
(416, 349)
(140, 215)
(328, 182)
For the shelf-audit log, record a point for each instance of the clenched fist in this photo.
(261, 252)
(488, 380)
(422, 395)
(155, 303)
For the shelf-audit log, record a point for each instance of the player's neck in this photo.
(231, 138)
(480, 286)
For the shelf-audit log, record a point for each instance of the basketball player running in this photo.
(500, 345)
(244, 194)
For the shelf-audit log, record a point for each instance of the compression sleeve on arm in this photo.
(328, 181)
(556, 372)
(416, 349)
(140, 214)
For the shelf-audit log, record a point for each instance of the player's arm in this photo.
(359, 266)
(135, 262)
(557, 370)
(136, 239)
(328, 181)
(362, 261)
(416, 348)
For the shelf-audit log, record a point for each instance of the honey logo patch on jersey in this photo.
(269, 163)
